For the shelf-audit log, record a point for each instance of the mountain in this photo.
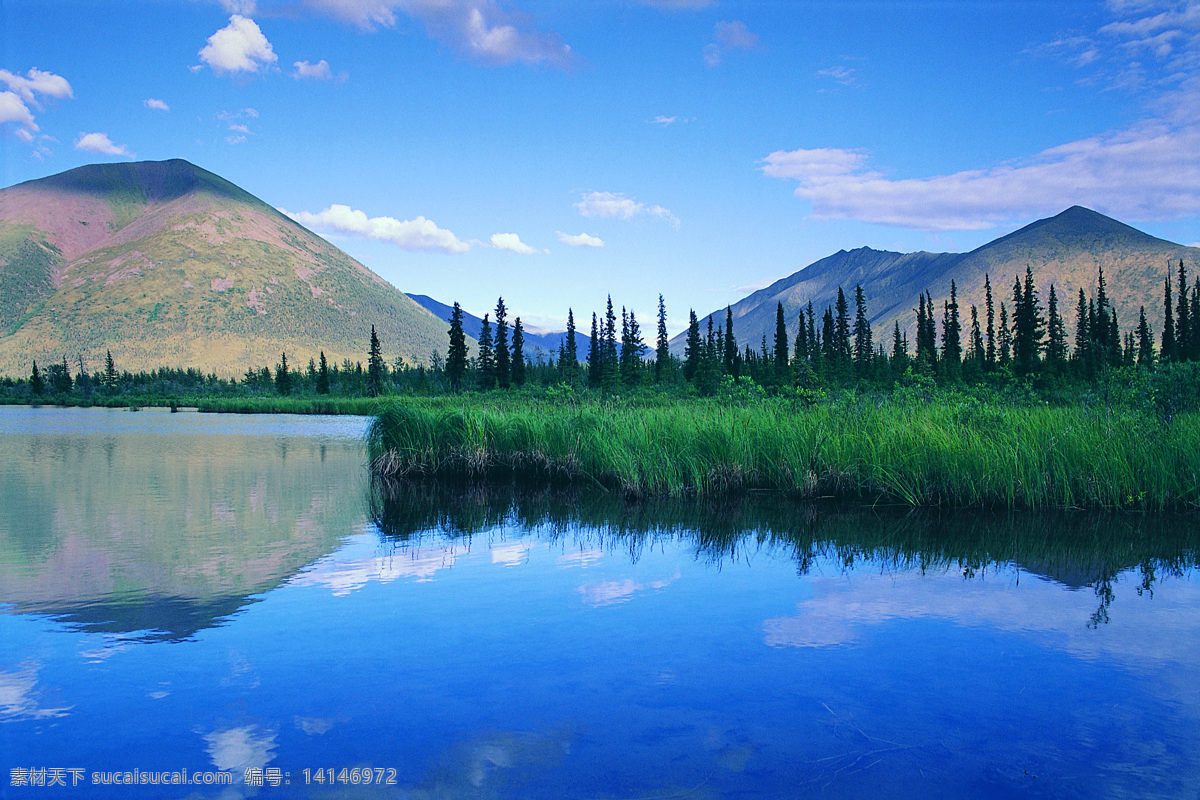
(167, 264)
(536, 339)
(1066, 251)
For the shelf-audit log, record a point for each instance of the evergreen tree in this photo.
(611, 359)
(375, 366)
(951, 335)
(500, 347)
(568, 360)
(731, 350)
(828, 339)
(518, 353)
(323, 375)
(1084, 356)
(595, 357)
(926, 332)
(1028, 326)
(1183, 321)
(1145, 339)
(843, 355)
(662, 350)
(1005, 338)
(632, 348)
(36, 384)
(1056, 346)
(899, 351)
(990, 355)
(863, 346)
(486, 364)
(691, 347)
(1167, 350)
(283, 378)
(456, 356)
(62, 378)
(110, 371)
(800, 353)
(781, 346)
(977, 353)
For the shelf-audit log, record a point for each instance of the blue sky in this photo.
(555, 152)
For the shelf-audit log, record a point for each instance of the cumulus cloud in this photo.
(728, 36)
(413, 234)
(1150, 171)
(614, 205)
(27, 90)
(157, 105)
(580, 239)
(238, 47)
(100, 143)
(318, 72)
(479, 28)
(511, 241)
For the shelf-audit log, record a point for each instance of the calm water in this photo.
(219, 593)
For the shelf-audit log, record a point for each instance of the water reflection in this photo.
(1076, 551)
(162, 529)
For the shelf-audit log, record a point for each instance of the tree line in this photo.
(1012, 335)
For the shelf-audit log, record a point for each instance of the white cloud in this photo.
(319, 71)
(728, 36)
(100, 143)
(664, 121)
(612, 205)
(157, 105)
(479, 28)
(414, 234)
(23, 92)
(36, 82)
(511, 241)
(1150, 171)
(238, 47)
(580, 240)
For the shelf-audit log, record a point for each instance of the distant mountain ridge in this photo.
(1066, 250)
(535, 338)
(167, 264)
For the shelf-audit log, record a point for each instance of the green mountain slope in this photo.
(164, 263)
(1066, 250)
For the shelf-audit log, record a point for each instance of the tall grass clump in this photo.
(964, 454)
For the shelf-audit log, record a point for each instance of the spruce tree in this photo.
(486, 364)
(990, 356)
(844, 356)
(375, 366)
(1005, 338)
(283, 378)
(1028, 326)
(323, 375)
(1183, 321)
(568, 360)
(731, 349)
(110, 371)
(36, 384)
(1167, 349)
(662, 350)
(595, 357)
(863, 346)
(1145, 339)
(518, 353)
(951, 335)
(691, 347)
(1084, 358)
(456, 356)
(781, 345)
(500, 347)
(977, 351)
(899, 351)
(1056, 346)
(611, 358)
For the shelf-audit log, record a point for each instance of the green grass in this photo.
(947, 454)
(361, 406)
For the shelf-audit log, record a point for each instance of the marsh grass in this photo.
(968, 454)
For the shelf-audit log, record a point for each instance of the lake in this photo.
(227, 600)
